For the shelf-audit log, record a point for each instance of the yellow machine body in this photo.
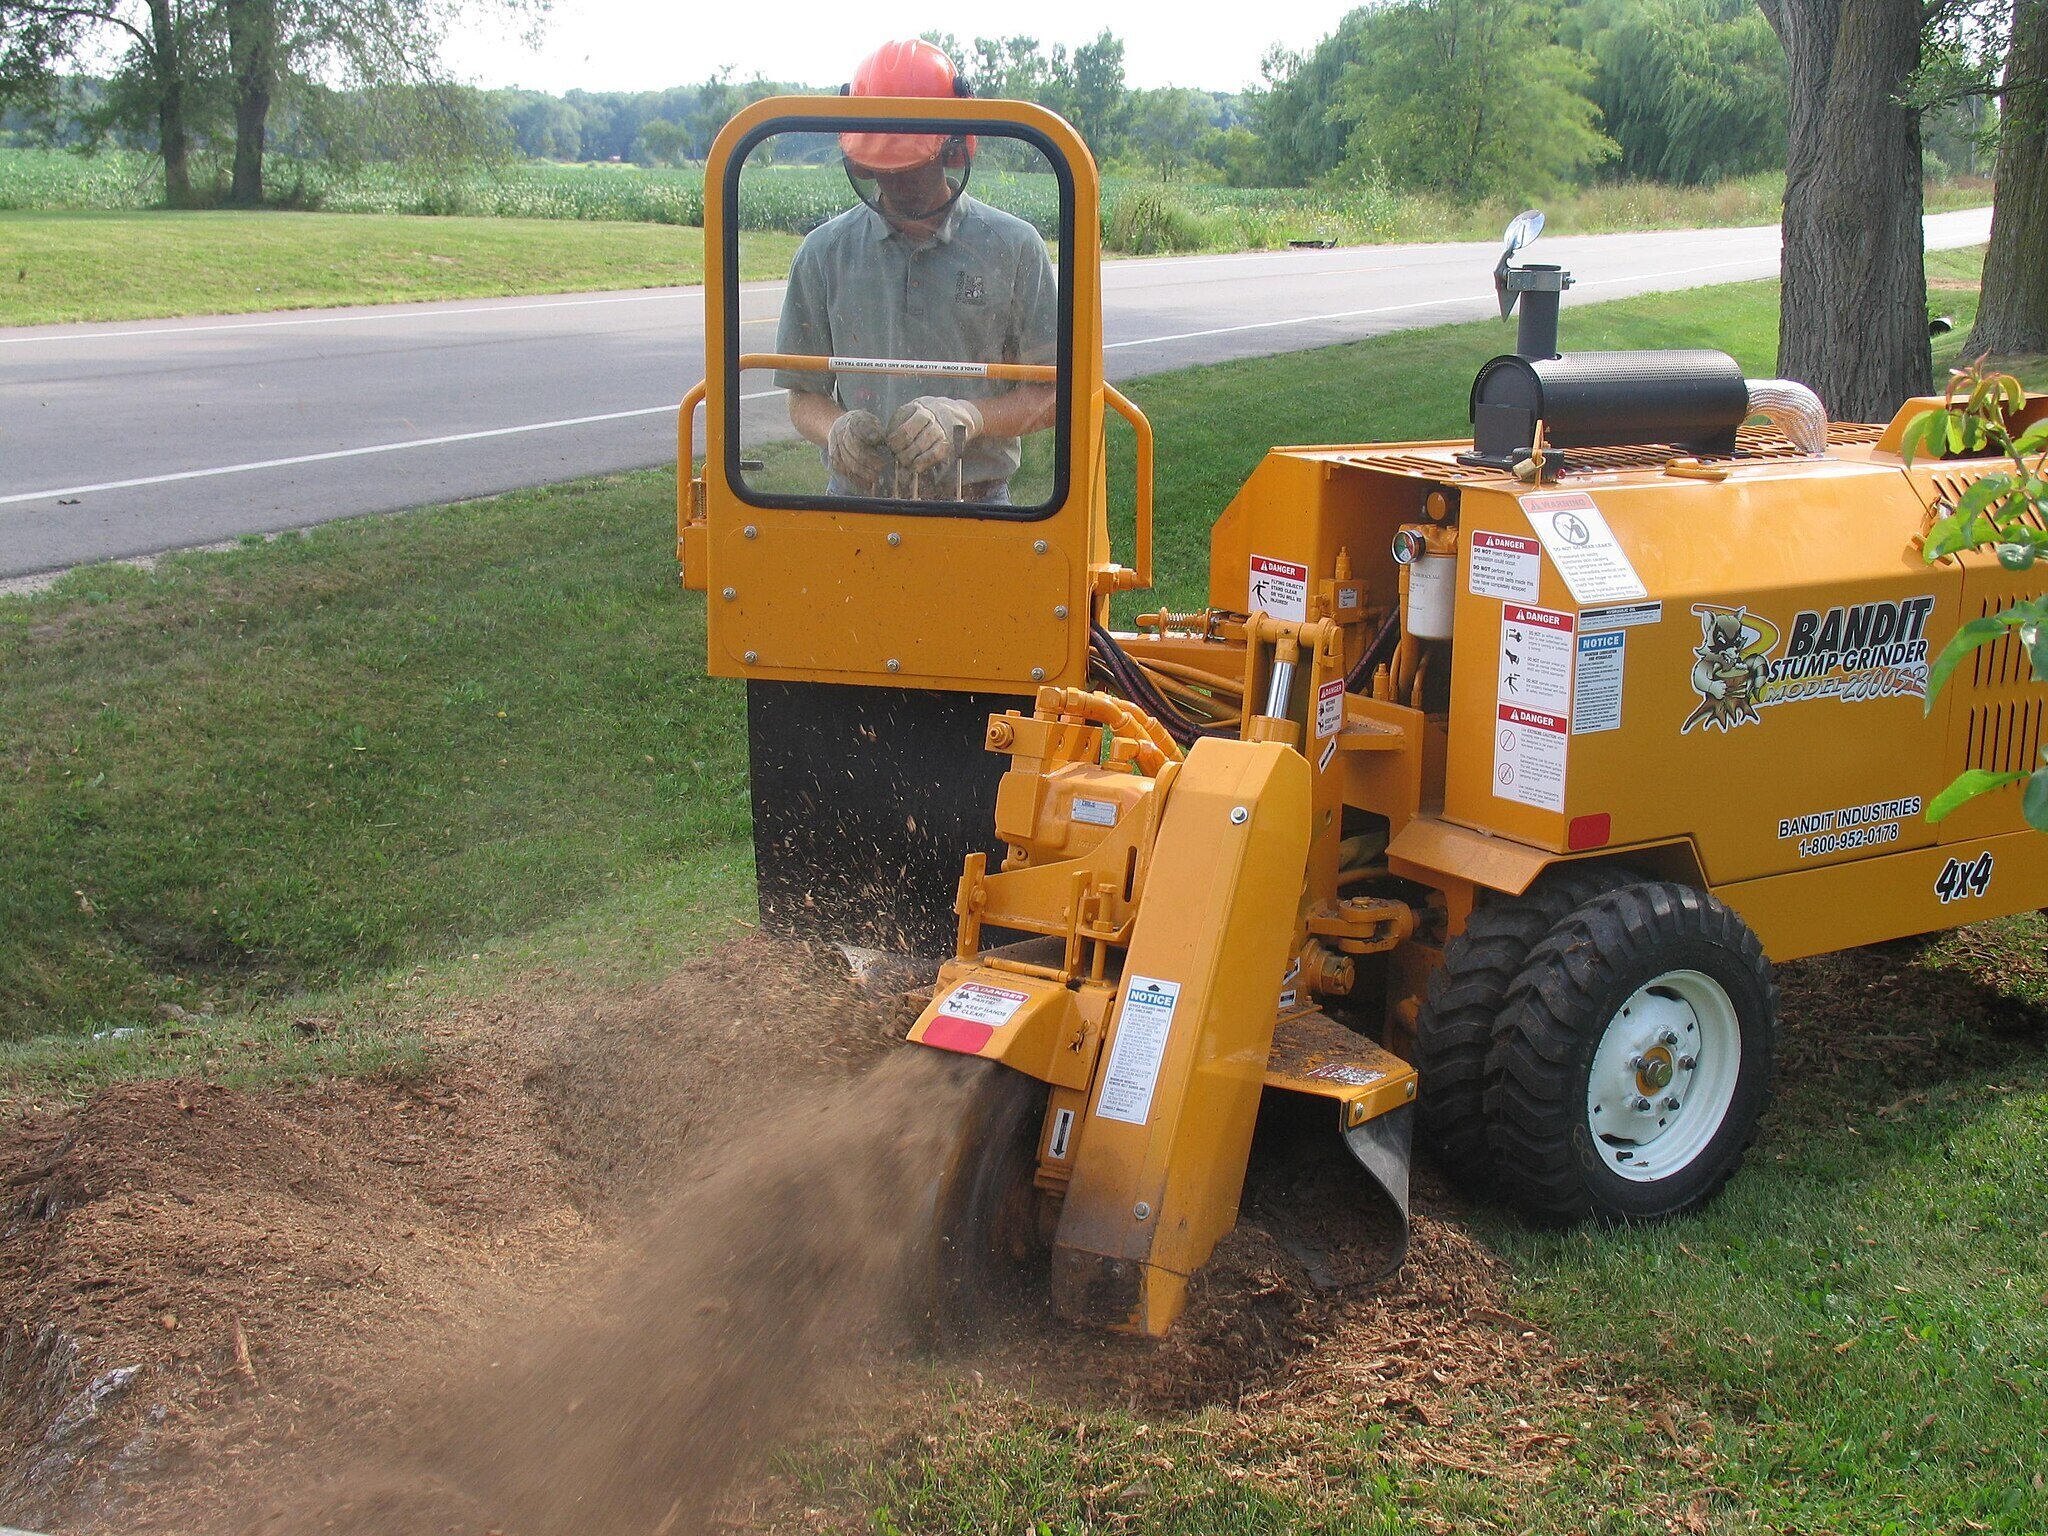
(1813, 557)
(1422, 683)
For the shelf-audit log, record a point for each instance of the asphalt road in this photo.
(131, 438)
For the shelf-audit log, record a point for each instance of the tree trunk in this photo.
(252, 56)
(2012, 313)
(173, 136)
(1853, 317)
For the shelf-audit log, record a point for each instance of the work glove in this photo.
(921, 431)
(857, 449)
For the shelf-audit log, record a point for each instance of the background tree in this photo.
(2012, 311)
(252, 29)
(1302, 138)
(664, 142)
(1853, 291)
(387, 53)
(1691, 91)
(1165, 127)
(166, 52)
(1469, 97)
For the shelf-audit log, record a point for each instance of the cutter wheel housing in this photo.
(1473, 805)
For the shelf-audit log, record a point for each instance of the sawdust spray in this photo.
(751, 1290)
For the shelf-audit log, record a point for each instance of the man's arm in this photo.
(1024, 409)
(813, 414)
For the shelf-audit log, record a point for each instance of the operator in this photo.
(918, 271)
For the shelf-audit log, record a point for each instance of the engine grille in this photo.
(2002, 732)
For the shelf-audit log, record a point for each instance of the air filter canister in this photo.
(1688, 399)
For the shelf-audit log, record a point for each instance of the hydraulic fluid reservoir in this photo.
(1428, 557)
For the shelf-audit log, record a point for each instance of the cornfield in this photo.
(1139, 217)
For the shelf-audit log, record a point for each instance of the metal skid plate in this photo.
(1374, 1091)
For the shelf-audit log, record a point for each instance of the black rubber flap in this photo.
(866, 801)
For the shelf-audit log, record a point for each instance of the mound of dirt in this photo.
(204, 1291)
(585, 1274)
(173, 1246)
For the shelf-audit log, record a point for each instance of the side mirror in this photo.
(1522, 230)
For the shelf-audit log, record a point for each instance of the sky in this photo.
(635, 45)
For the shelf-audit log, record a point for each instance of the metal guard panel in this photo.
(819, 597)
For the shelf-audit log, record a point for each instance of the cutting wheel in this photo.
(990, 1257)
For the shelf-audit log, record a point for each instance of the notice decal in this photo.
(1745, 663)
(1503, 565)
(1280, 588)
(970, 1016)
(1142, 1029)
(1596, 682)
(1583, 548)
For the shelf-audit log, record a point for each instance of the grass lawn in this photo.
(396, 759)
(129, 265)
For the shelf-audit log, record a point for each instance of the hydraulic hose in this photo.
(1155, 747)
(1131, 680)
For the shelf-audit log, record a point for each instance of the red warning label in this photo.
(971, 1014)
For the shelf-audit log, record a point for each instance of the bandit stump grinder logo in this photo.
(1854, 653)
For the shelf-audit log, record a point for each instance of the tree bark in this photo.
(174, 136)
(252, 56)
(1853, 318)
(2012, 311)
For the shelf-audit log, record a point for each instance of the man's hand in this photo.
(921, 431)
(857, 449)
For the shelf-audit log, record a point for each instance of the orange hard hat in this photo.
(913, 68)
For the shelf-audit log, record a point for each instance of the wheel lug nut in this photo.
(1635, 1063)
(1686, 1063)
(1671, 1103)
(1668, 1038)
(1641, 1105)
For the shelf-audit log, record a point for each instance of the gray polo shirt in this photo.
(981, 290)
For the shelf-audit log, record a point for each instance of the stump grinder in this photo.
(1474, 805)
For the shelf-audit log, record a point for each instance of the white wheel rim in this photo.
(1664, 1076)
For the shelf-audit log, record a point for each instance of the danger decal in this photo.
(1533, 701)
(1330, 708)
(1279, 587)
(1503, 565)
(1746, 663)
(971, 1014)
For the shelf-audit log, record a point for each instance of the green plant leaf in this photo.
(1924, 434)
(1973, 634)
(2034, 437)
(2035, 637)
(1968, 785)
(2034, 800)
